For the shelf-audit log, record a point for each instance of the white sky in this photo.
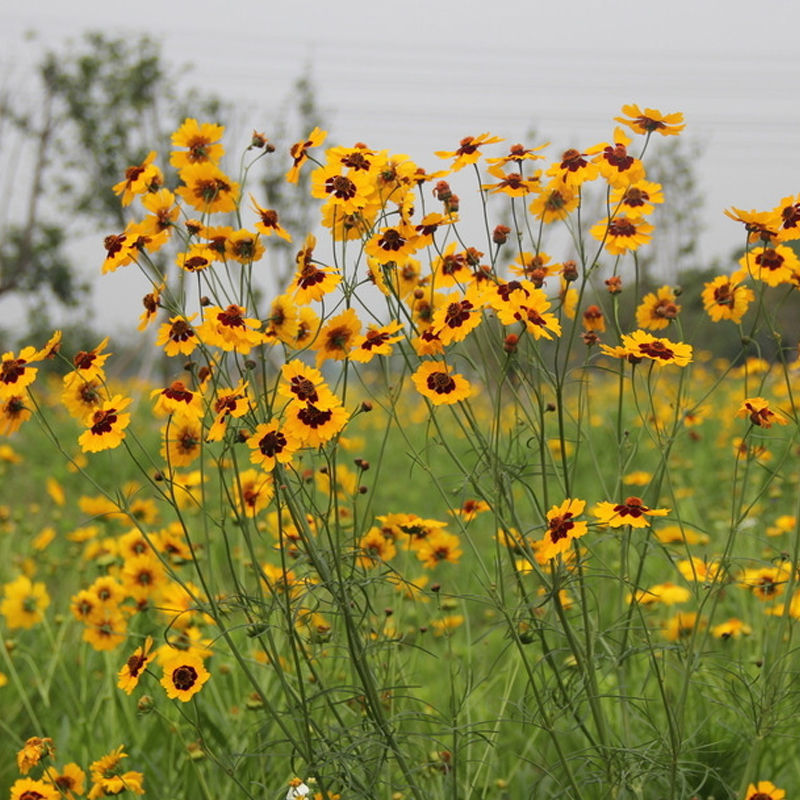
(417, 76)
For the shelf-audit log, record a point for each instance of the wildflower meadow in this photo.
(460, 508)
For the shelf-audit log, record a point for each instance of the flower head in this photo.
(632, 512)
(651, 121)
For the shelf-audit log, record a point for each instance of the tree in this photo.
(103, 103)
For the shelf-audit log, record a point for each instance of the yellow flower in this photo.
(650, 120)
(184, 675)
(272, 444)
(764, 790)
(726, 297)
(29, 789)
(208, 189)
(632, 512)
(336, 338)
(437, 547)
(229, 329)
(139, 179)
(562, 529)
(757, 410)
(24, 602)
(201, 141)
(433, 379)
(107, 429)
(468, 150)
(731, 629)
(33, 751)
(299, 152)
(682, 625)
(657, 309)
(129, 675)
(621, 233)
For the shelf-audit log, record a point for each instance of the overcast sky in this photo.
(417, 76)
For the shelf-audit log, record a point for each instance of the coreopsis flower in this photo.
(129, 675)
(109, 779)
(24, 602)
(657, 309)
(468, 151)
(757, 410)
(308, 325)
(195, 258)
(556, 200)
(650, 120)
(668, 594)
(470, 509)
(761, 226)
(229, 329)
(451, 268)
(13, 412)
(315, 425)
(16, 373)
(268, 223)
(245, 246)
(789, 211)
(201, 141)
(592, 319)
(163, 214)
(184, 675)
(562, 529)
(636, 200)
(69, 781)
(572, 170)
(228, 403)
(208, 189)
(433, 379)
(33, 751)
(632, 512)
(726, 297)
(299, 152)
(533, 266)
(310, 281)
(105, 628)
(439, 546)
(518, 154)
(177, 336)
(177, 398)
(30, 789)
(120, 251)
(427, 227)
(143, 576)
(764, 790)
(453, 321)
(89, 364)
(523, 302)
(616, 165)
(772, 265)
(271, 444)
(640, 344)
(107, 428)
(301, 382)
(139, 179)
(731, 629)
(376, 342)
(182, 439)
(512, 184)
(682, 625)
(621, 234)
(348, 192)
(375, 549)
(766, 583)
(151, 302)
(393, 244)
(217, 238)
(252, 491)
(82, 396)
(336, 338)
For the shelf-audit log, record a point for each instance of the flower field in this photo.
(436, 515)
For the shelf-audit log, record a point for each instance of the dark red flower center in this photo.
(441, 383)
(184, 677)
